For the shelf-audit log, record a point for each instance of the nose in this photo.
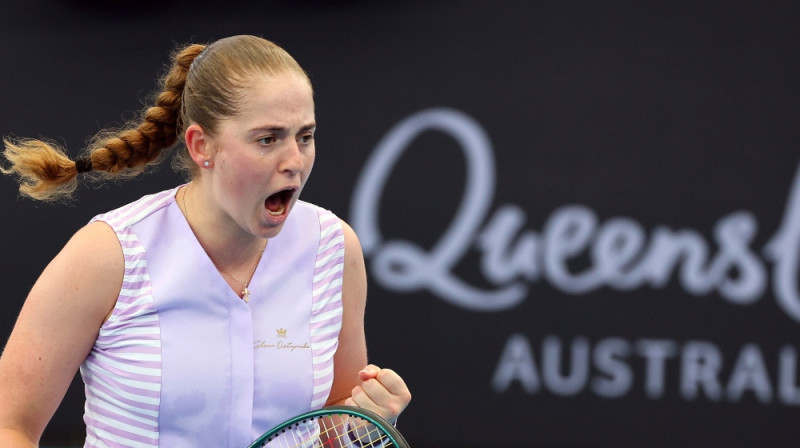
(292, 161)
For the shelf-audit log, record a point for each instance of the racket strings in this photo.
(341, 432)
(354, 432)
(304, 434)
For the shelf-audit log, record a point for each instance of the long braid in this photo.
(132, 149)
(47, 173)
(204, 85)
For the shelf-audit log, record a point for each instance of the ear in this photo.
(198, 144)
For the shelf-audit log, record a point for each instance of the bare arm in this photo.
(356, 384)
(56, 328)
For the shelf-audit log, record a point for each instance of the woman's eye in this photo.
(306, 138)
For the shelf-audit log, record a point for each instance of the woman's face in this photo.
(264, 155)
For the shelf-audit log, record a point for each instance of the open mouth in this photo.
(277, 203)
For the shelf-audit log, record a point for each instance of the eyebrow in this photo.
(280, 129)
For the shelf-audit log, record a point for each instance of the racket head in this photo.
(336, 427)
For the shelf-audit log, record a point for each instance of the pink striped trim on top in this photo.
(326, 308)
(122, 373)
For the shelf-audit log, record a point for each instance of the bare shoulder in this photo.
(97, 243)
(86, 274)
(354, 288)
(351, 242)
(353, 254)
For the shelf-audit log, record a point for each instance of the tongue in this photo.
(274, 202)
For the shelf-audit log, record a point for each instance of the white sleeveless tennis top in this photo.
(183, 362)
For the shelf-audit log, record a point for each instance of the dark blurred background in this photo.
(578, 216)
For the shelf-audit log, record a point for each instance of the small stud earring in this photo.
(206, 164)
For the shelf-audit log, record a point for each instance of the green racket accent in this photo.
(333, 427)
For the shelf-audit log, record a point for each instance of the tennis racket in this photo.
(333, 427)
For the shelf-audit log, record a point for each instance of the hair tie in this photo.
(83, 164)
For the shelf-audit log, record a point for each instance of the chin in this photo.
(269, 231)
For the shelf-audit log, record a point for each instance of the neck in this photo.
(229, 247)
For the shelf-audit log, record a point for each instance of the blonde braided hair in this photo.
(196, 89)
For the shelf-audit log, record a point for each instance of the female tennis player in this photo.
(206, 314)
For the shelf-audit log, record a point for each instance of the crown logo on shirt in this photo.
(281, 332)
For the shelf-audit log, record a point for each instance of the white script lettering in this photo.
(622, 254)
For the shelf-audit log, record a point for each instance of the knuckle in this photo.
(386, 372)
